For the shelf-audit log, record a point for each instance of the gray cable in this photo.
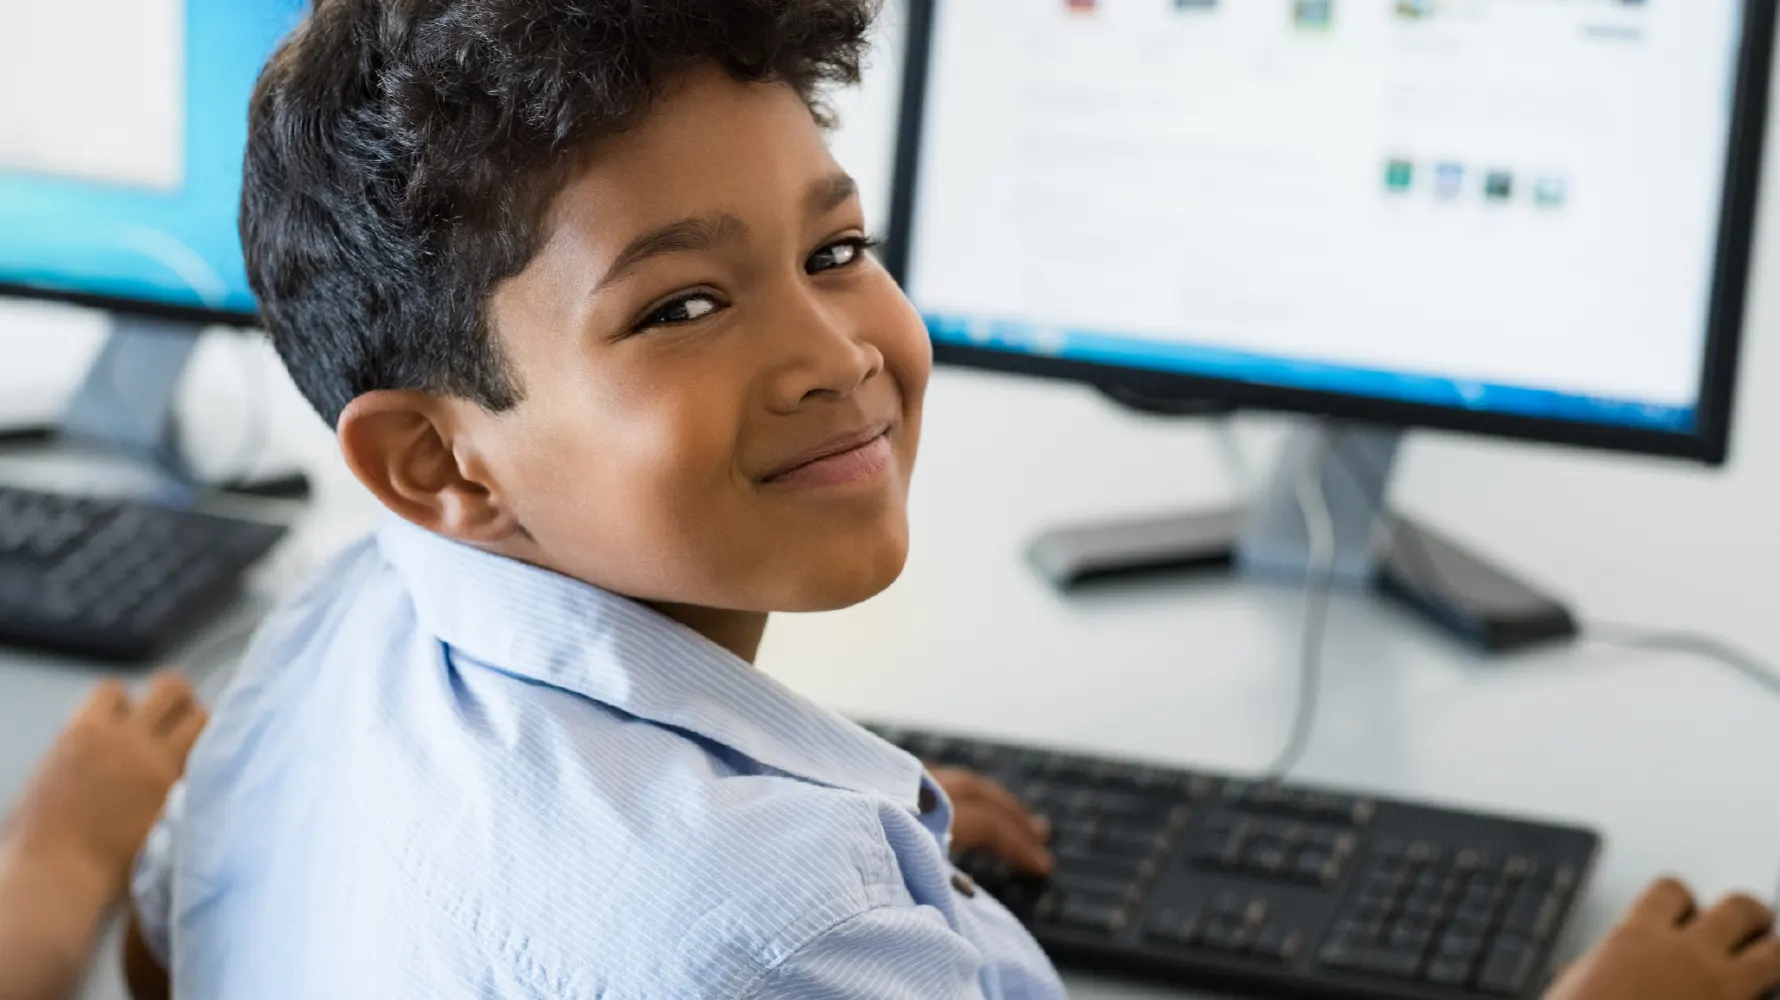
(1319, 526)
(1696, 644)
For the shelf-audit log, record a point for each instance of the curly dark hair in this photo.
(401, 155)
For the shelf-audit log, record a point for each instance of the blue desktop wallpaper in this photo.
(71, 235)
(1113, 348)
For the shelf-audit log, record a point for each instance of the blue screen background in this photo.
(1126, 350)
(75, 235)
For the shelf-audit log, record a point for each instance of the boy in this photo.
(592, 311)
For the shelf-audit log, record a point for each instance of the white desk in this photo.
(1669, 757)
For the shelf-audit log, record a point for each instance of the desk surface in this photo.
(1668, 756)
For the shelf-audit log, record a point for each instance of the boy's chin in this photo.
(844, 583)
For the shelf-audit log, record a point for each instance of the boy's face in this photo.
(722, 388)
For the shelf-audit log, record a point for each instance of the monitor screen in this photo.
(122, 125)
(1490, 206)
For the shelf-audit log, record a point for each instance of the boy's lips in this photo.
(840, 460)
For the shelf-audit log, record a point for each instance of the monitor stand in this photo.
(126, 405)
(1460, 592)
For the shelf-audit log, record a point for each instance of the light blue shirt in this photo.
(442, 774)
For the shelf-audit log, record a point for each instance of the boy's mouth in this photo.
(840, 460)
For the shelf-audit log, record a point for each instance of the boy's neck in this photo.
(737, 631)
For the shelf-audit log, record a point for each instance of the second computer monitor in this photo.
(1526, 218)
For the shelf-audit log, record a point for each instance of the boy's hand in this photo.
(987, 815)
(1667, 950)
(96, 796)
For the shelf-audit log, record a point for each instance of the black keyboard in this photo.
(1209, 881)
(114, 579)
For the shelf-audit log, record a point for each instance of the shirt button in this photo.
(964, 885)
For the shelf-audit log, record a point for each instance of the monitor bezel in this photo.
(197, 316)
(1707, 443)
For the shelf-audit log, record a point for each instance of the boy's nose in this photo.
(826, 358)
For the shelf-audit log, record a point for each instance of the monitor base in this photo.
(125, 405)
(1462, 593)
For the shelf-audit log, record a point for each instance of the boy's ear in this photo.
(413, 451)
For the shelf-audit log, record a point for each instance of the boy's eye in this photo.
(685, 309)
(839, 254)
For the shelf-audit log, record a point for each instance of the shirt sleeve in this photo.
(151, 885)
(886, 953)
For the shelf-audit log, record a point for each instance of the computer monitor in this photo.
(1521, 218)
(122, 127)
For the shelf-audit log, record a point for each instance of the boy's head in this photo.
(580, 283)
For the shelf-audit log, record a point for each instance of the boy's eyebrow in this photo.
(686, 235)
(706, 231)
(830, 193)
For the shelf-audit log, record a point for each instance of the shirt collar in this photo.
(562, 632)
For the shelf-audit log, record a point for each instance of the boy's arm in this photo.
(66, 848)
(1667, 949)
(51, 911)
(888, 953)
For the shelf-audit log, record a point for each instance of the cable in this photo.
(1406, 542)
(1319, 527)
(1696, 644)
(1236, 463)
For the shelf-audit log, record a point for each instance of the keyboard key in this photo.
(1460, 944)
(1096, 865)
(1374, 961)
(1418, 926)
(1508, 969)
(1411, 938)
(1521, 867)
(1131, 805)
(1227, 933)
(1471, 861)
(1472, 922)
(1311, 866)
(1073, 883)
(1534, 912)
(1388, 854)
(1488, 881)
(1267, 859)
(1228, 903)
(1359, 931)
(1174, 927)
(1449, 971)
(1278, 944)
(1236, 793)
(1094, 914)
(1221, 845)
(1375, 903)
(1131, 841)
(1255, 912)
(1480, 899)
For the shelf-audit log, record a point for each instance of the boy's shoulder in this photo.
(637, 861)
(590, 837)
